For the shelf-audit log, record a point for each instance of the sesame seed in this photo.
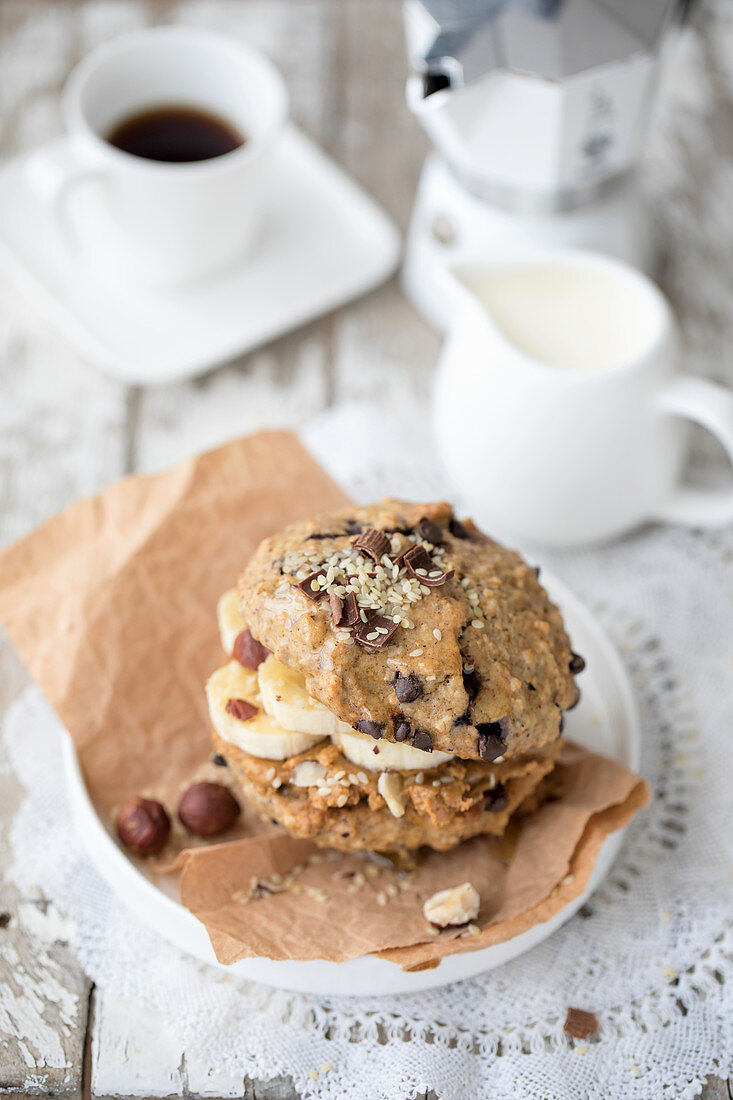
(373, 636)
(437, 635)
(277, 783)
(415, 653)
(381, 898)
(477, 623)
(420, 777)
(361, 776)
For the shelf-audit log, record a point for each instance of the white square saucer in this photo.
(325, 242)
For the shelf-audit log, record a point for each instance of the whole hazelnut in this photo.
(208, 808)
(143, 826)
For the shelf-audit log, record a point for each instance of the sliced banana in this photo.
(260, 735)
(230, 619)
(360, 748)
(285, 698)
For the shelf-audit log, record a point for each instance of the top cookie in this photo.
(413, 626)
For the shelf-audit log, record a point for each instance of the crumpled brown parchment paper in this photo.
(112, 603)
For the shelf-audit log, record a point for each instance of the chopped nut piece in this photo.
(580, 1024)
(455, 906)
(308, 774)
(389, 786)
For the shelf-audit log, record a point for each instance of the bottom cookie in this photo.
(321, 795)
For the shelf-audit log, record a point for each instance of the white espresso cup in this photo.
(153, 221)
(560, 410)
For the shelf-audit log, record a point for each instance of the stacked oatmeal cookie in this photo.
(396, 679)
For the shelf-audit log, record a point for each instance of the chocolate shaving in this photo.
(345, 611)
(496, 799)
(353, 527)
(418, 562)
(372, 543)
(364, 725)
(422, 740)
(248, 651)
(429, 531)
(241, 709)
(407, 687)
(369, 637)
(577, 663)
(580, 1024)
(464, 719)
(306, 586)
(399, 560)
(492, 738)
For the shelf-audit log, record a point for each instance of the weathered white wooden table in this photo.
(65, 430)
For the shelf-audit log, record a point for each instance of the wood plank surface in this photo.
(66, 430)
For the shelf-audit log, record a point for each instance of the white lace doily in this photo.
(651, 953)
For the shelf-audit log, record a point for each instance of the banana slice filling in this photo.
(280, 719)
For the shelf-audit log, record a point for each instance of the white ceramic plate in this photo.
(325, 242)
(606, 720)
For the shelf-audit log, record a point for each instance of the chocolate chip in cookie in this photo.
(577, 663)
(496, 799)
(492, 739)
(457, 529)
(372, 728)
(429, 531)
(464, 719)
(422, 740)
(372, 543)
(407, 687)
(403, 731)
(471, 681)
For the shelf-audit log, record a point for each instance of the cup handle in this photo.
(55, 173)
(711, 406)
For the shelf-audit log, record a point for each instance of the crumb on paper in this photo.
(455, 906)
(580, 1024)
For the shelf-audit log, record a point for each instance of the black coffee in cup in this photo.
(175, 134)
